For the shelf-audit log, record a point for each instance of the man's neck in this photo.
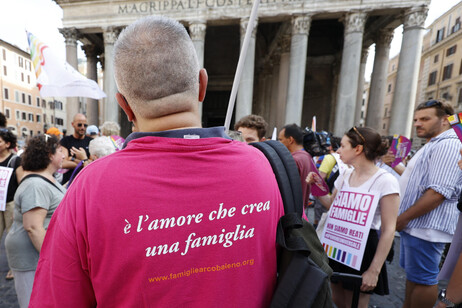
(174, 121)
(76, 136)
(295, 148)
(444, 128)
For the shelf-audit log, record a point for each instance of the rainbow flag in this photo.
(456, 122)
(55, 77)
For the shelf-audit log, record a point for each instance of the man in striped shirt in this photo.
(430, 187)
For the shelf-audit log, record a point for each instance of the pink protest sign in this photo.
(456, 122)
(319, 187)
(347, 227)
(401, 146)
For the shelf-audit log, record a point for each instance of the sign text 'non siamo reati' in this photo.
(167, 5)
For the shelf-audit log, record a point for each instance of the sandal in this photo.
(9, 275)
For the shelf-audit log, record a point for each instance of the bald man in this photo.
(73, 143)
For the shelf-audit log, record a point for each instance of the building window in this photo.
(22, 77)
(52, 120)
(20, 61)
(31, 117)
(7, 113)
(4, 54)
(29, 99)
(16, 96)
(38, 101)
(23, 95)
(4, 71)
(437, 57)
(456, 26)
(38, 118)
(28, 79)
(440, 35)
(59, 121)
(18, 115)
(24, 116)
(389, 88)
(451, 50)
(432, 78)
(447, 72)
(44, 118)
(44, 104)
(386, 112)
(384, 126)
(445, 95)
(459, 99)
(6, 94)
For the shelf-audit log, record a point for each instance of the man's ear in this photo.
(126, 108)
(203, 80)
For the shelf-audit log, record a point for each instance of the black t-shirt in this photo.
(12, 161)
(68, 142)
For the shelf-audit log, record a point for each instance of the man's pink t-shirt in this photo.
(166, 222)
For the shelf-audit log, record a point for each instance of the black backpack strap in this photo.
(39, 176)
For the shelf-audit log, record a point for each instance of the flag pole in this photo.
(240, 64)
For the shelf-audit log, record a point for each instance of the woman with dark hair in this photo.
(360, 147)
(36, 199)
(12, 161)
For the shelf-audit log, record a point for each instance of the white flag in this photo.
(55, 77)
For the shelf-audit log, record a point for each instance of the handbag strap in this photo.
(34, 175)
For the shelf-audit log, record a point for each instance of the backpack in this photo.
(303, 266)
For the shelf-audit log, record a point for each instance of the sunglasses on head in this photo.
(354, 129)
(4, 130)
(432, 103)
(81, 124)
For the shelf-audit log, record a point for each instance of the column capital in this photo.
(244, 23)
(90, 50)
(197, 30)
(384, 37)
(301, 24)
(71, 35)
(111, 34)
(354, 22)
(415, 17)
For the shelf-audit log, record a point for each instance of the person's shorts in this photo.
(420, 259)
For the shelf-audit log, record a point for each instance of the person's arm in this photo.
(388, 211)
(68, 163)
(33, 224)
(19, 173)
(325, 200)
(429, 201)
(389, 158)
(80, 155)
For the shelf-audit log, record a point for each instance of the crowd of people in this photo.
(176, 209)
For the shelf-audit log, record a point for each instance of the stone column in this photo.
(298, 53)
(378, 86)
(275, 118)
(71, 35)
(359, 95)
(402, 110)
(245, 92)
(92, 104)
(283, 83)
(197, 33)
(111, 108)
(349, 72)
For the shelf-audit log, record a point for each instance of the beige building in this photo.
(306, 57)
(27, 112)
(441, 65)
(390, 90)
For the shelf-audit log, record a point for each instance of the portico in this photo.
(304, 57)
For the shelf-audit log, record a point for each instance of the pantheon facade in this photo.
(305, 58)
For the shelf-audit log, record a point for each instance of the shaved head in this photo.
(155, 64)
